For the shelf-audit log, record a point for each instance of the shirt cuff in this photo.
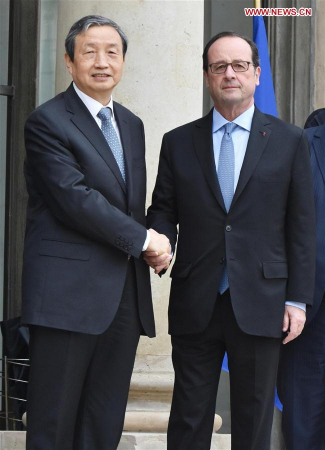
(297, 304)
(146, 242)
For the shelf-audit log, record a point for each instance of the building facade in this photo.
(162, 83)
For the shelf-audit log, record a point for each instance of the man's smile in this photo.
(101, 75)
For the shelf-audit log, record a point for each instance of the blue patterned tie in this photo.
(112, 138)
(226, 176)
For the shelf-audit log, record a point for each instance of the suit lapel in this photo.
(319, 147)
(259, 136)
(203, 144)
(86, 124)
(124, 129)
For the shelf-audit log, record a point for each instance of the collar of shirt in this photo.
(240, 138)
(244, 120)
(93, 105)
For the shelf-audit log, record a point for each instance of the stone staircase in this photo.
(148, 407)
(147, 410)
(16, 440)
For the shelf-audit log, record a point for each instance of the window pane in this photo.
(48, 37)
(4, 39)
(3, 132)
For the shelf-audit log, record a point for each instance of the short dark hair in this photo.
(255, 55)
(86, 22)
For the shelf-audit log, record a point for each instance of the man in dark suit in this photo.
(301, 382)
(238, 185)
(86, 288)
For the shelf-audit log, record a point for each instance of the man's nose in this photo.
(230, 73)
(101, 59)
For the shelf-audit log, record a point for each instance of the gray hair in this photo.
(86, 22)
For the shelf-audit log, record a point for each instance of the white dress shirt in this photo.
(240, 137)
(94, 107)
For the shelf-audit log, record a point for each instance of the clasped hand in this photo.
(158, 254)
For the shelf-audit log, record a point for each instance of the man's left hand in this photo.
(157, 262)
(294, 321)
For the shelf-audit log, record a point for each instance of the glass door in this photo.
(6, 92)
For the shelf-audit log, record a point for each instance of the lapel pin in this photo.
(263, 133)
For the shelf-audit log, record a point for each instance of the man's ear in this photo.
(206, 78)
(257, 75)
(68, 63)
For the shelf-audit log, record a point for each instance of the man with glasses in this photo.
(238, 184)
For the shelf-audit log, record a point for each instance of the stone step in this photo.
(154, 421)
(16, 440)
(151, 391)
(12, 440)
(157, 441)
(152, 381)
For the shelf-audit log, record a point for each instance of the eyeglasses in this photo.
(237, 66)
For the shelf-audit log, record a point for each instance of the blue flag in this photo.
(225, 363)
(264, 95)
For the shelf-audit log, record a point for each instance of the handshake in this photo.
(158, 254)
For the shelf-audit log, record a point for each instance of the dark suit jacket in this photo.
(267, 238)
(83, 223)
(316, 118)
(316, 138)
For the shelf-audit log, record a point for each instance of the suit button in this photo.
(228, 228)
(222, 260)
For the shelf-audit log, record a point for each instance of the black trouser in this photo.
(79, 383)
(197, 360)
(301, 387)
